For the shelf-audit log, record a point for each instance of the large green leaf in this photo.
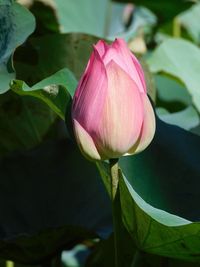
(43, 56)
(56, 91)
(16, 24)
(186, 119)
(101, 18)
(190, 21)
(157, 231)
(171, 94)
(159, 197)
(174, 103)
(24, 122)
(180, 59)
(165, 10)
(83, 16)
(6, 76)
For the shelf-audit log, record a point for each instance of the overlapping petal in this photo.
(120, 53)
(140, 72)
(85, 142)
(101, 48)
(120, 125)
(148, 127)
(130, 62)
(90, 97)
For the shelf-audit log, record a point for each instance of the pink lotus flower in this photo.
(111, 113)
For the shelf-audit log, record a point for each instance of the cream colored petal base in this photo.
(85, 142)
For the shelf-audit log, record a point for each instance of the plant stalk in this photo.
(176, 28)
(9, 264)
(114, 171)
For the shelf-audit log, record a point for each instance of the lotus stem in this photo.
(9, 264)
(176, 28)
(114, 171)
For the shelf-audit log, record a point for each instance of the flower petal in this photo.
(122, 118)
(139, 71)
(130, 63)
(85, 142)
(83, 79)
(101, 47)
(148, 127)
(89, 100)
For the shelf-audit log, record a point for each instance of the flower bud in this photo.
(111, 113)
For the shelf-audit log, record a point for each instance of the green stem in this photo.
(114, 177)
(9, 264)
(114, 170)
(176, 28)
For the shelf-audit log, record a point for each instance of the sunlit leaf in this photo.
(180, 59)
(190, 21)
(186, 119)
(56, 91)
(16, 24)
(82, 16)
(159, 197)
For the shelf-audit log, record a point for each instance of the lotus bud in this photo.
(111, 112)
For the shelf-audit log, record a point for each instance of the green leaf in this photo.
(171, 94)
(82, 16)
(159, 197)
(16, 24)
(56, 91)
(190, 21)
(5, 78)
(157, 231)
(165, 10)
(101, 18)
(43, 56)
(174, 103)
(180, 59)
(186, 119)
(24, 122)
